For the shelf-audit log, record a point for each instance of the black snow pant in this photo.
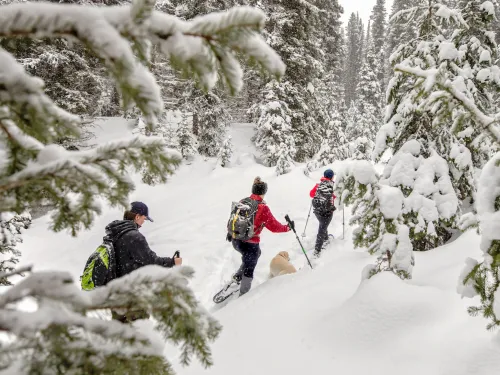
(250, 253)
(324, 221)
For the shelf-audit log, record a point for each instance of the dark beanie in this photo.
(328, 174)
(259, 187)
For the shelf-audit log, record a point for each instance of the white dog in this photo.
(280, 265)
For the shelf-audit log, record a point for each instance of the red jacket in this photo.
(313, 191)
(264, 218)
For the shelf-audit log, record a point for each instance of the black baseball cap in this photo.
(141, 209)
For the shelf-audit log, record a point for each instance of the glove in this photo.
(229, 238)
(334, 209)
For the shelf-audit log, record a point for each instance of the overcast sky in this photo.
(364, 7)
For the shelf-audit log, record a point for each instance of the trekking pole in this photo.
(343, 220)
(287, 218)
(310, 208)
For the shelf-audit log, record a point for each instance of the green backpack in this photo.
(100, 268)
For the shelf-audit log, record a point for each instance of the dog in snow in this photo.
(280, 265)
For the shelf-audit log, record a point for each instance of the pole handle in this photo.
(177, 254)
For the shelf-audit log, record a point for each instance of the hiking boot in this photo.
(237, 278)
(316, 254)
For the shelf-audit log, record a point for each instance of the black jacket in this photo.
(131, 248)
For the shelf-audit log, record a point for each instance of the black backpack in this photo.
(100, 268)
(322, 201)
(240, 225)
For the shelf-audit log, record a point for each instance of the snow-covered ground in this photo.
(323, 321)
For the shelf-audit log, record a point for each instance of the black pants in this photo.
(250, 253)
(324, 222)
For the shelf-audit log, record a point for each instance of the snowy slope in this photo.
(321, 321)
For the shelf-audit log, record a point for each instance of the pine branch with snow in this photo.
(11, 228)
(62, 334)
(483, 278)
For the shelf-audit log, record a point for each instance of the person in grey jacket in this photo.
(132, 251)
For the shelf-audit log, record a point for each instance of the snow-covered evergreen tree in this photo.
(402, 26)
(185, 139)
(226, 152)
(11, 227)
(329, 86)
(273, 136)
(483, 278)
(60, 336)
(313, 66)
(210, 121)
(354, 57)
(378, 41)
(369, 96)
(378, 213)
(412, 114)
(353, 128)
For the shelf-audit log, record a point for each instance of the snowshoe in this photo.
(316, 254)
(232, 287)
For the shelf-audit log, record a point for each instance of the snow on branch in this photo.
(89, 26)
(62, 328)
(197, 43)
(432, 78)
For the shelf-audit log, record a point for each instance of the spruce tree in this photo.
(302, 43)
(378, 41)
(185, 139)
(411, 115)
(226, 152)
(354, 57)
(369, 96)
(210, 120)
(402, 26)
(273, 136)
(61, 336)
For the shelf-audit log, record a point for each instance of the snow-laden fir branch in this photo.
(432, 78)
(98, 343)
(200, 46)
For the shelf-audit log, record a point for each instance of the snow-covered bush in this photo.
(59, 336)
(483, 278)
(431, 208)
(226, 152)
(11, 227)
(378, 213)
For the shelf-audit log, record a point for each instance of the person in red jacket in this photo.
(323, 204)
(250, 250)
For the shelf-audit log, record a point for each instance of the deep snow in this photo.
(322, 321)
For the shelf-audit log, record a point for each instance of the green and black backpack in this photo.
(100, 268)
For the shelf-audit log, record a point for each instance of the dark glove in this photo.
(229, 238)
(334, 209)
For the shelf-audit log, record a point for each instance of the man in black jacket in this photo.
(132, 250)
